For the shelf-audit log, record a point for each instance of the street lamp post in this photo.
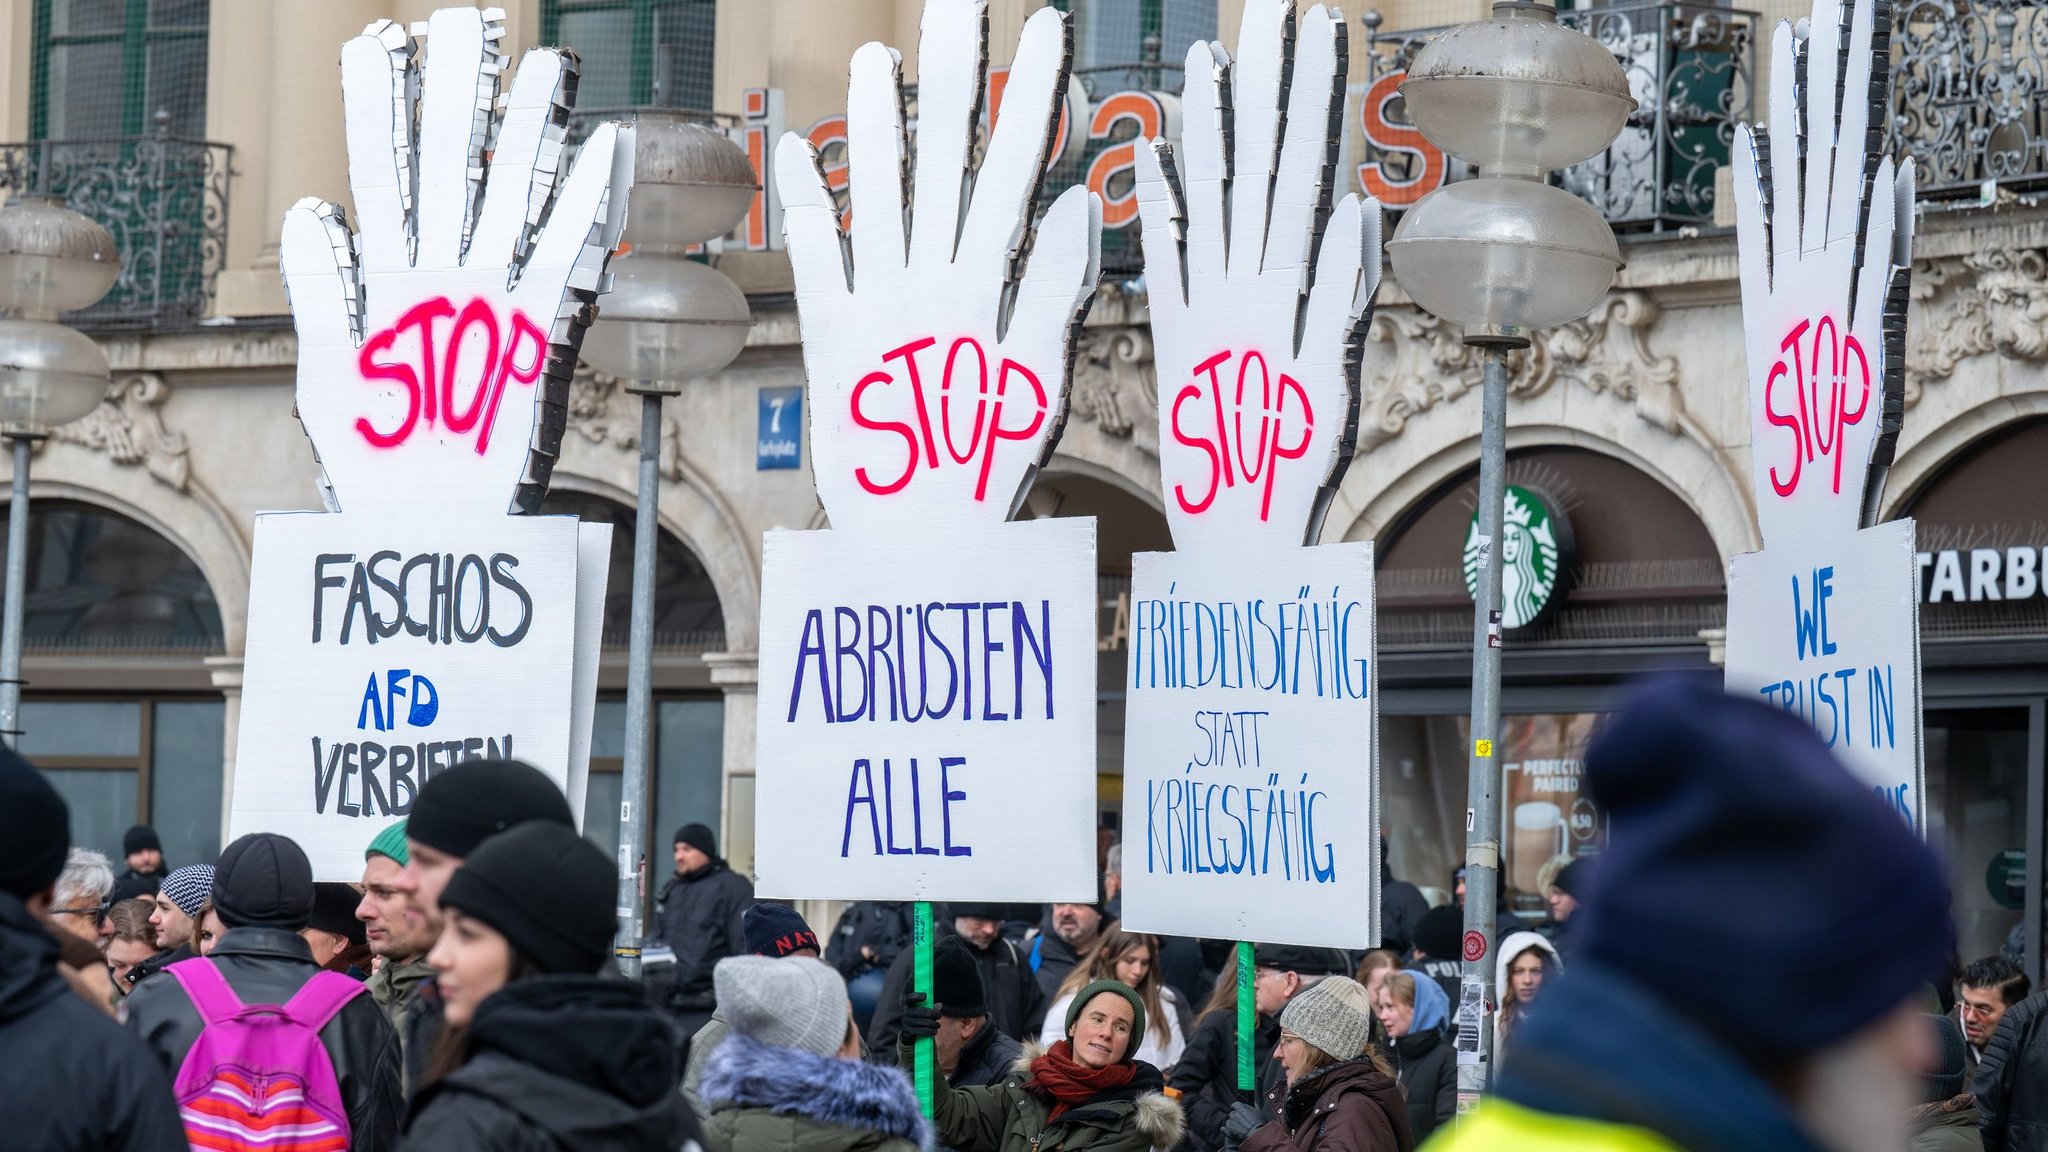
(667, 320)
(1503, 255)
(52, 260)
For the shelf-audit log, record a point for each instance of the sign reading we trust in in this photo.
(927, 695)
(1251, 806)
(1824, 621)
(422, 621)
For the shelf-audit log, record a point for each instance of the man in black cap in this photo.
(145, 854)
(1206, 1076)
(456, 810)
(69, 1076)
(263, 894)
(698, 915)
(1016, 1004)
(334, 934)
(1752, 949)
(1435, 951)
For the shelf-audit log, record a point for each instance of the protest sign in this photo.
(927, 677)
(1824, 621)
(421, 620)
(1251, 806)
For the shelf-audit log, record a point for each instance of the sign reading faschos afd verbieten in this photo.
(927, 681)
(1824, 621)
(1251, 807)
(421, 621)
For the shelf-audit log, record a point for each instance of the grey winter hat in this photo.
(795, 1002)
(1334, 1015)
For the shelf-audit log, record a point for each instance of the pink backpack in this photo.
(258, 1079)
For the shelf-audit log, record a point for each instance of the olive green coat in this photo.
(1009, 1117)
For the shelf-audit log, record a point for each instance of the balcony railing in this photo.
(1691, 68)
(1970, 93)
(164, 199)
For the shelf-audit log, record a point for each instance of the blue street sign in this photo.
(779, 441)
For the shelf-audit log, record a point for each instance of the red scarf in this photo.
(1070, 1083)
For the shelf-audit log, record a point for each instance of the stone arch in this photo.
(707, 531)
(1924, 459)
(1115, 471)
(1407, 470)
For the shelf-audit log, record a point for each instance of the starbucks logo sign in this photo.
(1535, 540)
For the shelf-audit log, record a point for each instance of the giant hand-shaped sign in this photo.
(1823, 622)
(417, 623)
(928, 670)
(1251, 803)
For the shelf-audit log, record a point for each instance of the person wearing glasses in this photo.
(81, 894)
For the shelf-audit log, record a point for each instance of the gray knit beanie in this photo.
(794, 1002)
(1334, 1015)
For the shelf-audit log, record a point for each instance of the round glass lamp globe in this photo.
(52, 259)
(49, 375)
(1519, 91)
(666, 320)
(690, 184)
(1495, 254)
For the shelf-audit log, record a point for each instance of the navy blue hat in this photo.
(1739, 844)
(775, 930)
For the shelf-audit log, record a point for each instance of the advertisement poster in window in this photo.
(1546, 815)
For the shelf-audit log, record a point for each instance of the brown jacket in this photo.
(1348, 1107)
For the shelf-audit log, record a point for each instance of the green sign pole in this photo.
(1246, 1011)
(921, 939)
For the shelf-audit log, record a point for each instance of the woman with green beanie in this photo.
(1085, 1092)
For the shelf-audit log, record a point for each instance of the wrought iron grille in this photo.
(1970, 93)
(164, 199)
(1692, 69)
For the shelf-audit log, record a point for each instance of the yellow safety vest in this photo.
(1499, 1126)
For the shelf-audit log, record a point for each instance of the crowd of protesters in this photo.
(461, 992)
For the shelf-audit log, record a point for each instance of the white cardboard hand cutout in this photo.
(945, 410)
(436, 344)
(1823, 622)
(1256, 325)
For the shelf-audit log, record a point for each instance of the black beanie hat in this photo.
(460, 806)
(263, 879)
(1737, 843)
(956, 980)
(138, 838)
(35, 828)
(775, 931)
(700, 837)
(995, 912)
(334, 910)
(1440, 932)
(548, 891)
(1571, 878)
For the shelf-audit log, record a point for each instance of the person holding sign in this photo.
(1085, 1092)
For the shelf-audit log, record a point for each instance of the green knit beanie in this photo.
(390, 842)
(1119, 988)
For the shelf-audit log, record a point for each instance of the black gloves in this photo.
(919, 1021)
(1244, 1120)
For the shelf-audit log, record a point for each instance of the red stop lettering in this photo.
(430, 379)
(978, 405)
(1282, 423)
(1832, 371)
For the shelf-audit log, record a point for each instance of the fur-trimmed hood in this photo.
(743, 1073)
(1154, 1112)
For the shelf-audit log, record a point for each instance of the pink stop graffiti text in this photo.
(1279, 406)
(967, 382)
(431, 378)
(1828, 366)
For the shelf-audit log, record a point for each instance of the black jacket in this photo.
(698, 916)
(157, 963)
(559, 1062)
(883, 925)
(2012, 1080)
(1206, 1075)
(70, 1079)
(1401, 908)
(1016, 1007)
(1056, 958)
(986, 1059)
(268, 966)
(1427, 1067)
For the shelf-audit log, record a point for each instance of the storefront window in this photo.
(119, 762)
(1976, 784)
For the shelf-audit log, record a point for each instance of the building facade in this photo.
(1628, 430)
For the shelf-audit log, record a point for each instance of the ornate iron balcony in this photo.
(1692, 69)
(166, 202)
(1970, 93)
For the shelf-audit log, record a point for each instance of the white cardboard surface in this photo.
(1251, 808)
(1824, 621)
(337, 730)
(435, 350)
(1251, 787)
(888, 769)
